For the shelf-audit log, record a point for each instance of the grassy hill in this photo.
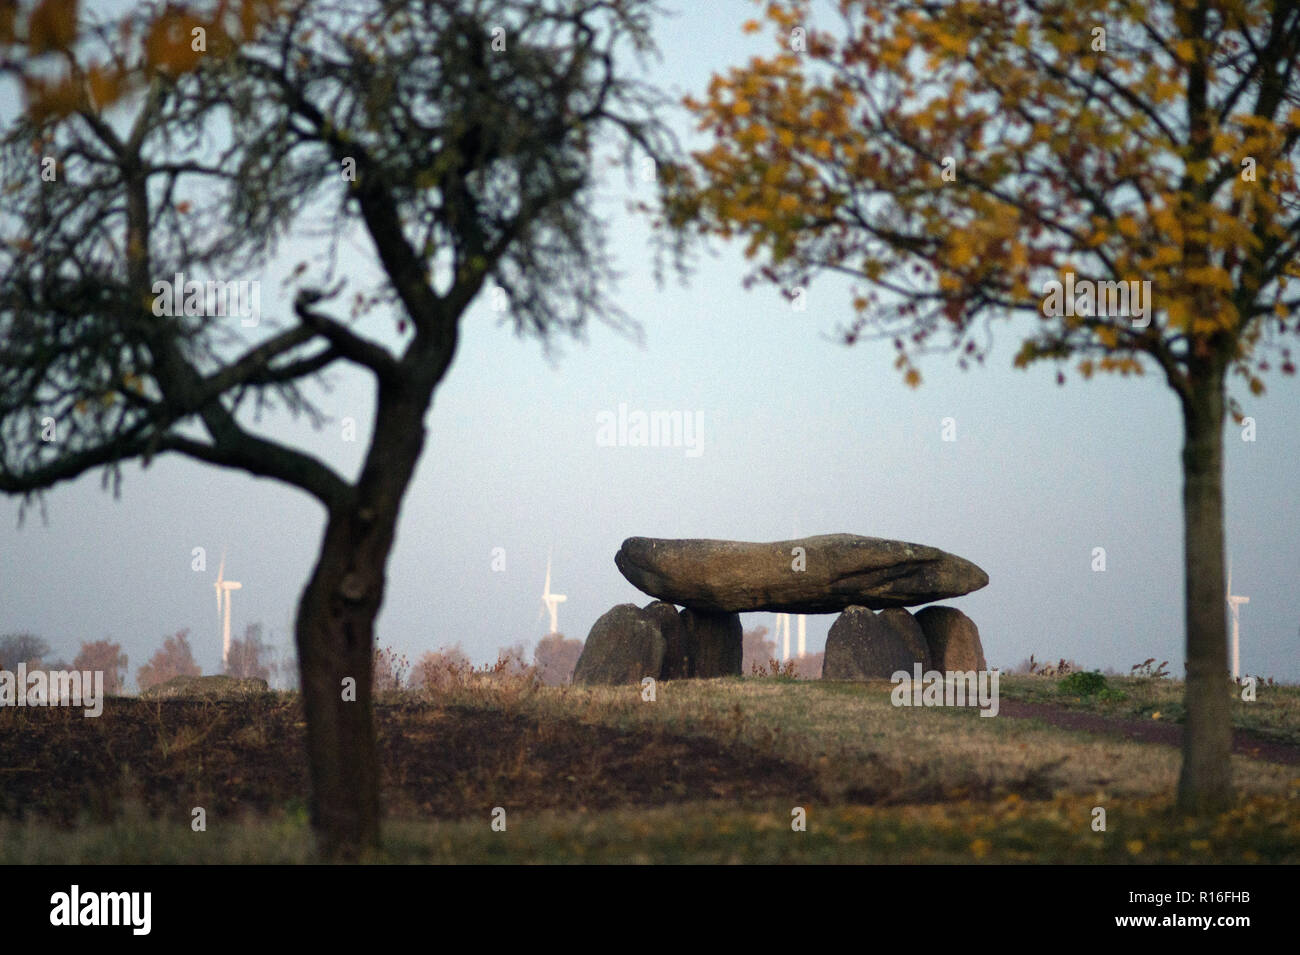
(710, 771)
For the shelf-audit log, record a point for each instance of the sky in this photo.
(801, 435)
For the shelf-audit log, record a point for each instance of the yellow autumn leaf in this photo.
(1211, 275)
(960, 252)
(1223, 142)
(1165, 255)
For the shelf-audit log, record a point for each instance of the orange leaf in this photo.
(105, 86)
(8, 13)
(53, 26)
(58, 98)
(169, 45)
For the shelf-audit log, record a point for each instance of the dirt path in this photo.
(1145, 731)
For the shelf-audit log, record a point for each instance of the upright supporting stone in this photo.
(679, 654)
(624, 646)
(717, 640)
(953, 638)
(873, 646)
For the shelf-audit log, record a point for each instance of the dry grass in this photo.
(863, 749)
(880, 783)
(1012, 830)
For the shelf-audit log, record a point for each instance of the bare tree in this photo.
(106, 656)
(174, 659)
(250, 657)
(756, 649)
(462, 138)
(16, 648)
(555, 658)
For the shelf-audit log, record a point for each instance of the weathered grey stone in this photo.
(216, 687)
(863, 645)
(717, 640)
(679, 654)
(838, 571)
(952, 637)
(624, 646)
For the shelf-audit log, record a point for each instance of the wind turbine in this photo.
(1234, 604)
(223, 586)
(551, 602)
(782, 635)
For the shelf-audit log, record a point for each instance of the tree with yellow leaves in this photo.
(1119, 173)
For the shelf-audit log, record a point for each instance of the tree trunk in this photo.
(335, 644)
(1205, 783)
(335, 633)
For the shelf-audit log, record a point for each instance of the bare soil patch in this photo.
(441, 761)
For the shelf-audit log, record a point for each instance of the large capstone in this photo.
(822, 574)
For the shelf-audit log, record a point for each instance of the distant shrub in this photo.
(390, 671)
(1147, 671)
(1039, 668)
(1082, 683)
(441, 668)
(774, 668)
